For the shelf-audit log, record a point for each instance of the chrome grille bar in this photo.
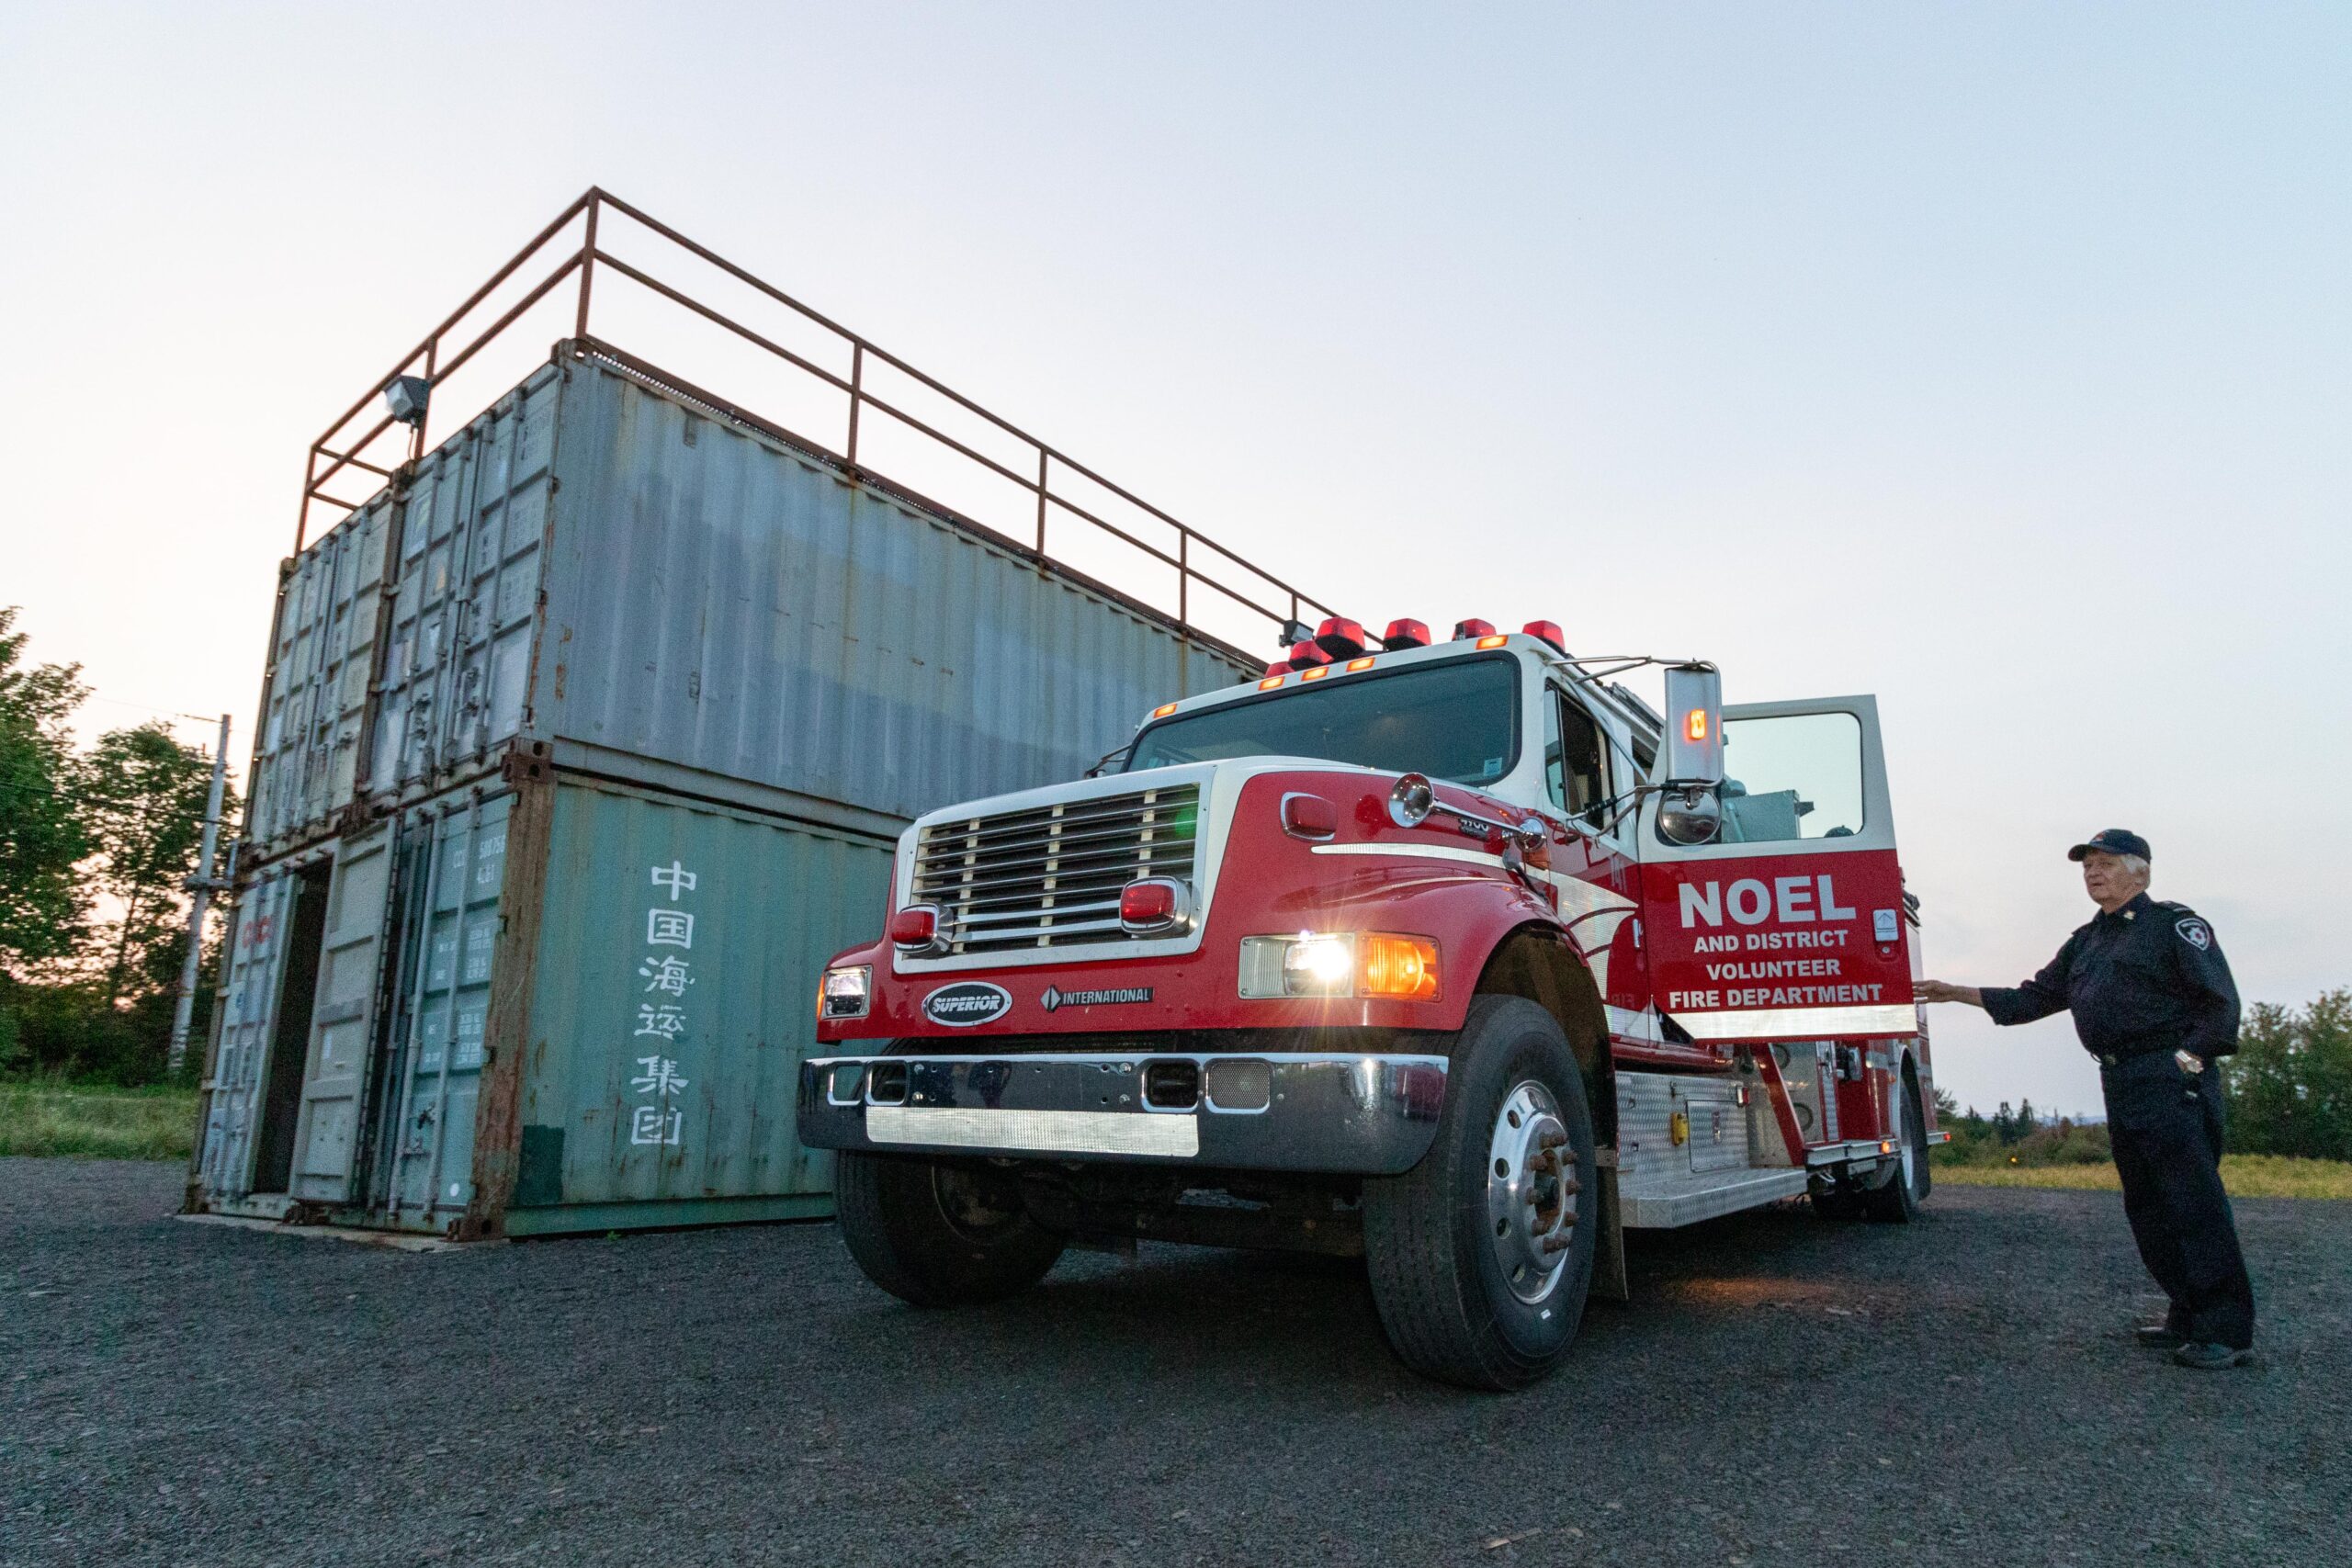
(1049, 874)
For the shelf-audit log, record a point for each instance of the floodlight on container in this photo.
(407, 398)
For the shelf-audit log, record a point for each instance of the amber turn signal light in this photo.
(1403, 969)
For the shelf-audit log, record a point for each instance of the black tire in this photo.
(937, 1234)
(1897, 1201)
(1439, 1278)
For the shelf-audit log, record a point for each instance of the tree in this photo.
(145, 796)
(94, 851)
(2289, 1090)
(43, 833)
(2026, 1119)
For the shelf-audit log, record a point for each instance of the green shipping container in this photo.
(589, 1008)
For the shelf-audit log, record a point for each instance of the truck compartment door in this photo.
(1790, 925)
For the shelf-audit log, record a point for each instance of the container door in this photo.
(443, 1002)
(254, 964)
(342, 1018)
(1790, 925)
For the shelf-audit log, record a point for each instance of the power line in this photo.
(151, 707)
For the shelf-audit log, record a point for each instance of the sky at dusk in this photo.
(1995, 359)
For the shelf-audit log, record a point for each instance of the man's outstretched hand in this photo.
(1943, 991)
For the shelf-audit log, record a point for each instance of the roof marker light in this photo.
(1269, 683)
(1406, 632)
(1473, 627)
(1356, 664)
(1492, 641)
(1163, 710)
(1315, 674)
(1547, 631)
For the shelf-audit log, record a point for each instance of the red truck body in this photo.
(1241, 992)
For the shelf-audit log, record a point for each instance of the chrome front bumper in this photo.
(1350, 1114)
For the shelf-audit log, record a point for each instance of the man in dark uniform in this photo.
(2152, 1001)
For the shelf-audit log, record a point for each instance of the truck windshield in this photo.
(1456, 721)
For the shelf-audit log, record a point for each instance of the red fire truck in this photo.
(1454, 954)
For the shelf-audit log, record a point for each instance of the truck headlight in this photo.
(847, 992)
(1319, 966)
(1340, 964)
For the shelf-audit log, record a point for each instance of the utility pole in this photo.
(201, 886)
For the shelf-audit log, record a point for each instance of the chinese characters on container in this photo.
(656, 1119)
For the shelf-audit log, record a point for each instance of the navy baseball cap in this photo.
(2114, 842)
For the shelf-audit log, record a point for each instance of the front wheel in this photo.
(938, 1235)
(1481, 1254)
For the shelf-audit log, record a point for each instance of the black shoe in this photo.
(2212, 1358)
(2160, 1335)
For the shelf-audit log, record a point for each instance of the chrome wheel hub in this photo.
(1532, 1187)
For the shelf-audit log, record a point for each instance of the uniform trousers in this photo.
(2165, 1125)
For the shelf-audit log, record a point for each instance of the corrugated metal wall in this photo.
(720, 601)
(323, 649)
(593, 561)
(458, 657)
(673, 1001)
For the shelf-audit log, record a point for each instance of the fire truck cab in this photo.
(1454, 954)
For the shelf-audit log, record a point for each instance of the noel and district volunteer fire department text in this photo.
(1785, 900)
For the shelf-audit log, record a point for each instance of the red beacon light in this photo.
(1306, 656)
(1473, 628)
(1548, 631)
(1405, 634)
(1279, 667)
(1340, 638)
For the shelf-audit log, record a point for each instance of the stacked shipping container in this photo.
(580, 751)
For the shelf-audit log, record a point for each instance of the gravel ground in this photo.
(1781, 1389)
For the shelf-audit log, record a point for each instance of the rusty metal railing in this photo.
(351, 442)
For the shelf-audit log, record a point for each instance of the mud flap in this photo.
(1609, 1280)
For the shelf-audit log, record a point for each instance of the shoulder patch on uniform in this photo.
(2195, 932)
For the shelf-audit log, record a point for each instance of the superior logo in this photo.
(967, 1003)
(1118, 996)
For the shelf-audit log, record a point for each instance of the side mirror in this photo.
(1694, 727)
(1690, 815)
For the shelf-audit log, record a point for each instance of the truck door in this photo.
(1790, 925)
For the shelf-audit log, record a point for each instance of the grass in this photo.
(2246, 1176)
(51, 1118)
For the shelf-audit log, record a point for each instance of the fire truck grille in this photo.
(1050, 877)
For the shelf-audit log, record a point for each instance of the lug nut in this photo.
(1557, 1242)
